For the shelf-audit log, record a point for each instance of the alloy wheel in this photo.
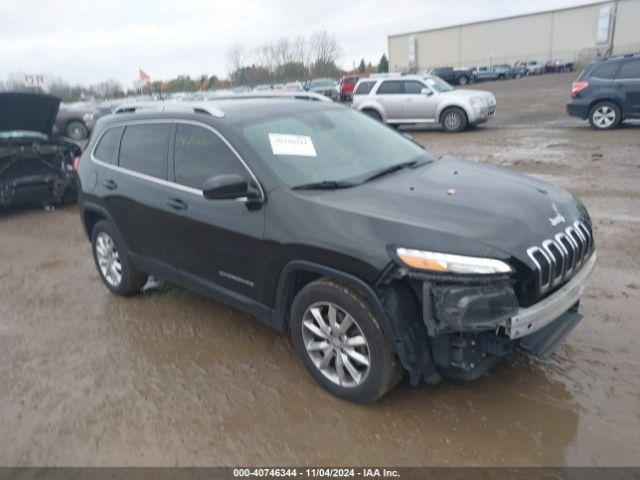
(604, 116)
(336, 344)
(108, 259)
(452, 120)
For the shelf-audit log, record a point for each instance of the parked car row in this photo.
(502, 71)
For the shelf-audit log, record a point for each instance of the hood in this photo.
(452, 202)
(28, 112)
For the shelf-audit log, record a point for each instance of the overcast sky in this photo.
(91, 41)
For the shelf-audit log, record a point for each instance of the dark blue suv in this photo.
(607, 92)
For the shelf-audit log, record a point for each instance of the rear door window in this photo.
(144, 149)
(201, 154)
(108, 145)
(630, 70)
(390, 87)
(605, 71)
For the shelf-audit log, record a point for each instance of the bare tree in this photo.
(324, 50)
(236, 57)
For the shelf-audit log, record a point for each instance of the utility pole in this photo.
(613, 26)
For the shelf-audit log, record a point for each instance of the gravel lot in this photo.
(172, 378)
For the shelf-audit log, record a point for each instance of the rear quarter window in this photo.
(108, 144)
(364, 88)
(605, 71)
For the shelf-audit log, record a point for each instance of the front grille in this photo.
(558, 258)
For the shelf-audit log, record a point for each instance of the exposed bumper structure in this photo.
(471, 327)
(529, 320)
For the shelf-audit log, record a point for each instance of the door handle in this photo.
(177, 203)
(110, 184)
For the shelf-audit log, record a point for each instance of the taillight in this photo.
(76, 162)
(577, 87)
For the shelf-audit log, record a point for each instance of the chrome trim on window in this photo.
(167, 183)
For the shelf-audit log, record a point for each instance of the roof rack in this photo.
(209, 107)
(190, 107)
(272, 94)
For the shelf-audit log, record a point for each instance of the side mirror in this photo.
(426, 91)
(228, 187)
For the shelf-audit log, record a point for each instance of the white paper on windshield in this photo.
(285, 144)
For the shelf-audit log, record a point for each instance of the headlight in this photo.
(478, 102)
(444, 262)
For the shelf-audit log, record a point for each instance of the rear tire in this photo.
(114, 267)
(605, 116)
(454, 119)
(463, 80)
(355, 363)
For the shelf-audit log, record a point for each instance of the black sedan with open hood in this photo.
(35, 167)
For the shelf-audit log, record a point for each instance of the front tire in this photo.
(463, 80)
(605, 116)
(339, 340)
(114, 267)
(454, 119)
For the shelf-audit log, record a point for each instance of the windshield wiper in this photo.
(324, 185)
(392, 169)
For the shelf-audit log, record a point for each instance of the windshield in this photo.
(438, 84)
(337, 145)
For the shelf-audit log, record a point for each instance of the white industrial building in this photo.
(572, 34)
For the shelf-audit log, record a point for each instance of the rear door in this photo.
(217, 241)
(134, 187)
(628, 84)
(390, 96)
(417, 105)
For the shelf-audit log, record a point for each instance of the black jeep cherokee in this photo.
(338, 231)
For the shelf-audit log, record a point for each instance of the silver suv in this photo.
(410, 99)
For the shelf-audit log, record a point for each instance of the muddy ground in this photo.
(172, 378)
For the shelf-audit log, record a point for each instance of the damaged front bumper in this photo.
(471, 326)
(37, 173)
(535, 318)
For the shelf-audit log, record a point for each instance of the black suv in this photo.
(607, 92)
(334, 229)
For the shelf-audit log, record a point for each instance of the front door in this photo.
(217, 241)
(389, 95)
(418, 105)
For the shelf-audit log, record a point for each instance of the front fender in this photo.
(460, 103)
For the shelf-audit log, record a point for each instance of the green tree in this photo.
(362, 67)
(383, 66)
